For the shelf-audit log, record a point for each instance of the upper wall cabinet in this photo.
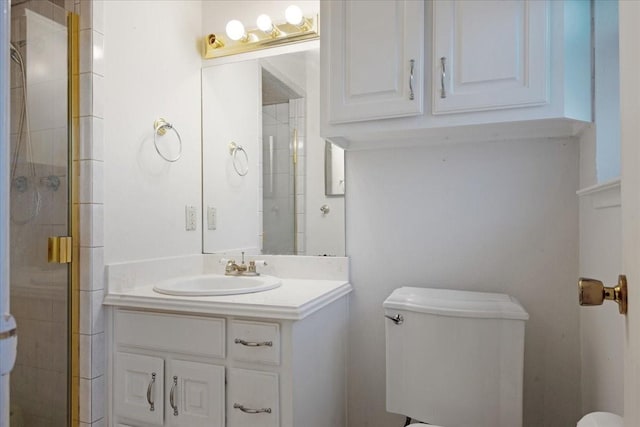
(377, 66)
(489, 54)
(493, 70)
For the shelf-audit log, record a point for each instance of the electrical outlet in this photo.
(212, 218)
(191, 219)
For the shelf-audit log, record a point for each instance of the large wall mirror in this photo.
(264, 161)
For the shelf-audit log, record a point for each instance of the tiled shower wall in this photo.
(92, 337)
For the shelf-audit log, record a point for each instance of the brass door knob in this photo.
(593, 292)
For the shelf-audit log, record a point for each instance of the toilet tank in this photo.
(456, 357)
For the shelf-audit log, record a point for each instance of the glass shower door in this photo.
(39, 209)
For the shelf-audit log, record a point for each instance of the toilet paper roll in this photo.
(601, 419)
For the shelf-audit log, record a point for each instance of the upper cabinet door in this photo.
(375, 55)
(489, 55)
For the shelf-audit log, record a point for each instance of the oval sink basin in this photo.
(216, 284)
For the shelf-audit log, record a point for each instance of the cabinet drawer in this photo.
(253, 399)
(199, 336)
(255, 341)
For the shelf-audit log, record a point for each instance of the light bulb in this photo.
(293, 15)
(264, 23)
(235, 30)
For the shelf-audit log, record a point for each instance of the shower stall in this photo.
(41, 129)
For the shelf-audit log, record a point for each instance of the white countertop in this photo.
(295, 299)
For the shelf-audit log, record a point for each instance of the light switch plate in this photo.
(191, 220)
(212, 217)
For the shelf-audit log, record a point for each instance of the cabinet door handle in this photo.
(443, 75)
(251, 411)
(172, 394)
(253, 344)
(412, 64)
(149, 389)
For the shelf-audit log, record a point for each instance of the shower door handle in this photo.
(59, 249)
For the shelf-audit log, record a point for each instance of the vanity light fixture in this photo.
(237, 39)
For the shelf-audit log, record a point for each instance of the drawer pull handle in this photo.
(251, 411)
(443, 75)
(172, 394)
(149, 389)
(254, 344)
(412, 64)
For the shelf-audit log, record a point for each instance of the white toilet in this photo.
(601, 419)
(455, 358)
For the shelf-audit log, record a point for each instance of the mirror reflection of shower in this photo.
(283, 118)
(26, 196)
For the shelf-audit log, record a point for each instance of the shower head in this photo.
(15, 54)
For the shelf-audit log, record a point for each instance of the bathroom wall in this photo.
(152, 70)
(497, 216)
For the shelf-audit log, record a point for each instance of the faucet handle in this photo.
(252, 266)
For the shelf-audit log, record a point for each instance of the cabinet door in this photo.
(375, 59)
(196, 394)
(489, 54)
(138, 388)
(253, 399)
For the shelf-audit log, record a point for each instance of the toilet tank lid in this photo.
(449, 302)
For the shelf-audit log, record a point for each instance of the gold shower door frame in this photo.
(73, 319)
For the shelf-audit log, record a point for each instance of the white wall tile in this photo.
(97, 65)
(91, 176)
(97, 93)
(85, 94)
(85, 356)
(86, 46)
(91, 138)
(85, 401)
(91, 225)
(98, 401)
(98, 355)
(91, 268)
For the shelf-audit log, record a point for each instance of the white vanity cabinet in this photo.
(153, 384)
(376, 69)
(185, 369)
(491, 68)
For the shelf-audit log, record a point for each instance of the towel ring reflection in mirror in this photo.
(234, 149)
(160, 127)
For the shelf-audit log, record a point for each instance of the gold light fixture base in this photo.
(217, 45)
